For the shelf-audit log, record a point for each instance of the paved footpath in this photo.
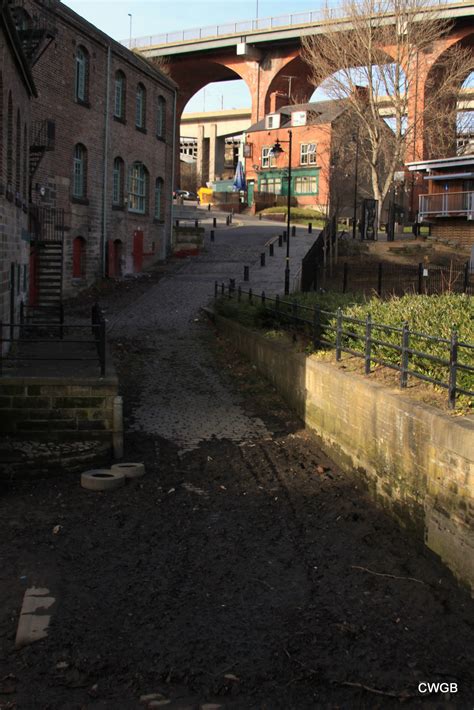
(244, 571)
(184, 399)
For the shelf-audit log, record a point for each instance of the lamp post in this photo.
(356, 176)
(276, 151)
(130, 41)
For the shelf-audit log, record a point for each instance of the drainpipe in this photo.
(103, 236)
(164, 250)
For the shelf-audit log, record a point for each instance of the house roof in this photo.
(319, 112)
(16, 49)
(457, 161)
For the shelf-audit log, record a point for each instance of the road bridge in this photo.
(265, 52)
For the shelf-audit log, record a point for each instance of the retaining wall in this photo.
(414, 460)
(84, 417)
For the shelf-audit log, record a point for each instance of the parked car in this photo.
(186, 195)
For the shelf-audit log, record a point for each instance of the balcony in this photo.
(446, 204)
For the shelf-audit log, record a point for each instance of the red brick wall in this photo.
(86, 124)
(14, 248)
(456, 230)
(321, 135)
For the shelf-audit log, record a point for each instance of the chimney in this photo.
(277, 100)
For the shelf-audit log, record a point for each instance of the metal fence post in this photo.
(246, 273)
(222, 288)
(405, 355)
(262, 259)
(338, 334)
(466, 277)
(420, 278)
(453, 369)
(379, 280)
(368, 343)
(316, 326)
(216, 289)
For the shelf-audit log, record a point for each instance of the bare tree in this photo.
(386, 49)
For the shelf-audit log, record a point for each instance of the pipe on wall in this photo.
(103, 239)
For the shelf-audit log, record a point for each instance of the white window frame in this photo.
(268, 159)
(161, 117)
(119, 108)
(308, 154)
(303, 185)
(79, 183)
(140, 107)
(117, 186)
(137, 180)
(81, 66)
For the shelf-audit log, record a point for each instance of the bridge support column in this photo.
(213, 152)
(200, 167)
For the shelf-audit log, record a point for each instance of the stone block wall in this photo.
(53, 409)
(413, 459)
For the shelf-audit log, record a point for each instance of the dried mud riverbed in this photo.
(244, 570)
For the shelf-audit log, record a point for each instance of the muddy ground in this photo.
(248, 574)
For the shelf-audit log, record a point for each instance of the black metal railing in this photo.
(46, 224)
(395, 279)
(25, 336)
(362, 338)
(43, 134)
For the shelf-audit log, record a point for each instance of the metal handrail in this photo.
(343, 339)
(336, 12)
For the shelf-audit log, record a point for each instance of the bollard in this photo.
(280, 240)
(262, 259)
(214, 222)
(196, 223)
(209, 207)
(270, 247)
(212, 235)
(260, 215)
(227, 220)
(177, 223)
(310, 228)
(231, 285)
(246, 273)
(284, 236)
(293, 231)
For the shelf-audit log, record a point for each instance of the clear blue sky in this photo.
(159, 16)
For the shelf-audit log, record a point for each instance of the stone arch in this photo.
(282, 90)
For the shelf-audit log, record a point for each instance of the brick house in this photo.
(447, 202)
(108, 181)
(313, 126)
(17, 88)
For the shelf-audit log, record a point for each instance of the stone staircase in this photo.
(49, 279)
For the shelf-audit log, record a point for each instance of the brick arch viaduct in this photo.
(265, 57)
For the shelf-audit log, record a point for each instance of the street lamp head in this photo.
(277, 149)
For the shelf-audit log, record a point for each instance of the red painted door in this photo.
(137, 250)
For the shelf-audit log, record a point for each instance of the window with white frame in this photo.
(308, 154)
(160, 117)
(268, 159)
(81, 74)
(119, 104)
(137, 188)
(79, 172)
(306, 185)
(271, 184)
(140, 106)
(117, 184)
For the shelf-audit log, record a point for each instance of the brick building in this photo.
(447, 200)
(108, 181)
(16, 91)
(313, 126)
